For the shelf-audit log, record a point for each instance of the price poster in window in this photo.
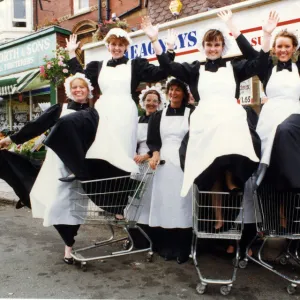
(246, 92)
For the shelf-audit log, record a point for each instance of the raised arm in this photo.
(92, 69)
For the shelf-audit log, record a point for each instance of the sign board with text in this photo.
(27, 56)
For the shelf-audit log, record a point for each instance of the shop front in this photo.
(248, 15)
(23, 95)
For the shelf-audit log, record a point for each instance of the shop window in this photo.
(39, 104)
(20, 113)
(4, 121)
(81, 5)
(19, 13)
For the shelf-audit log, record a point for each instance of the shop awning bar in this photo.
(16, 83)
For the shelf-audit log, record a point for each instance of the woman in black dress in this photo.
(50, 199)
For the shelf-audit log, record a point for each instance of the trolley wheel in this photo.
(149, 257)
(225, 290)
(126, 244)
(243, 264)
(83, 266)
(201, 288)
(283, 260)
(291, 289)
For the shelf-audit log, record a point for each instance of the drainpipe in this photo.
(99, 12)
(138, 7)
(107, 10)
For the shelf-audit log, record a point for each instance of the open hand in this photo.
(140, 158)
(171, 38)
(271, 23)
(150, 30)
(72, 44)
(225, 16)
(4, 143)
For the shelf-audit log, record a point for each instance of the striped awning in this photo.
(15, 83)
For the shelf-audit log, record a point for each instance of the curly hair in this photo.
(286, 34)
(182, 85)
(123, 40)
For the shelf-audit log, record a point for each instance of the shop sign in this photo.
(246, 95)
(191, 29)
(26, 56)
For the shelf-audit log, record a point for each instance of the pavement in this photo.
(32, 266)
(7, 194)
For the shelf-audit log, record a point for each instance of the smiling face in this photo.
(284, 48)
(213, 44)
(117, 47)
(79, 90)
(176, 95)
(151, 102)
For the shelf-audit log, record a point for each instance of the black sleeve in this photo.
(184, 71)
(153, 135)
(247, 50)
(245, 69)
(38, 126)
(146, 72)
(91, 71)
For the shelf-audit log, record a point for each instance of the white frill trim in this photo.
(68, 81)
(162, 105)
(118, 32)
(228, 39)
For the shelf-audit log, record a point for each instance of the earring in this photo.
(274, 60)
(295, 56)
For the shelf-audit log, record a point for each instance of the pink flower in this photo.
(42, 70)
(60, 63)
(49, 66)
(65, 70)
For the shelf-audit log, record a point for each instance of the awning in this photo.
(16, 83)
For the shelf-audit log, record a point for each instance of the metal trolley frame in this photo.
(280, 218)
(208, 209)
(98, 202)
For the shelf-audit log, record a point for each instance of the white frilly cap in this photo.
(223, 29)
(68, 81)
(159, 91)
(118, 32)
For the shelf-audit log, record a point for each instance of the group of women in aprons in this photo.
(218, 144)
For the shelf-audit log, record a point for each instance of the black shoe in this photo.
(68, 261)
(19, 204)
(69, 178)
(182, 258)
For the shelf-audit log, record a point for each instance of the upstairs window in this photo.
(81, 5)
(19, 13)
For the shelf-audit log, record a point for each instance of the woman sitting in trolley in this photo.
(222, 151)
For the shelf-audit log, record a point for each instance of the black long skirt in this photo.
(70, 139)
(240, 166)
(20, 173)
(284, 170)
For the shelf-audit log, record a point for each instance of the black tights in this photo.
(67, 233)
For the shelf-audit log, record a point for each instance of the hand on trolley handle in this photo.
(4, 143)
(154, 161)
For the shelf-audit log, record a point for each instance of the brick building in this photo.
(160, 13)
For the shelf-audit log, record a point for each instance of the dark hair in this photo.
(179, 83)
(152, 92)
(213, 35)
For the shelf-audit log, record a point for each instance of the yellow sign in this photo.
(175, 7)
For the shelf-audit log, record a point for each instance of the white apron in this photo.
(139, 209)
(50, 198)
(283, 91)
(218, 126)
(168, 208)
(116, 135)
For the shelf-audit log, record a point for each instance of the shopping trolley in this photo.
(280, 218)
(99, 201)
(208, 209)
